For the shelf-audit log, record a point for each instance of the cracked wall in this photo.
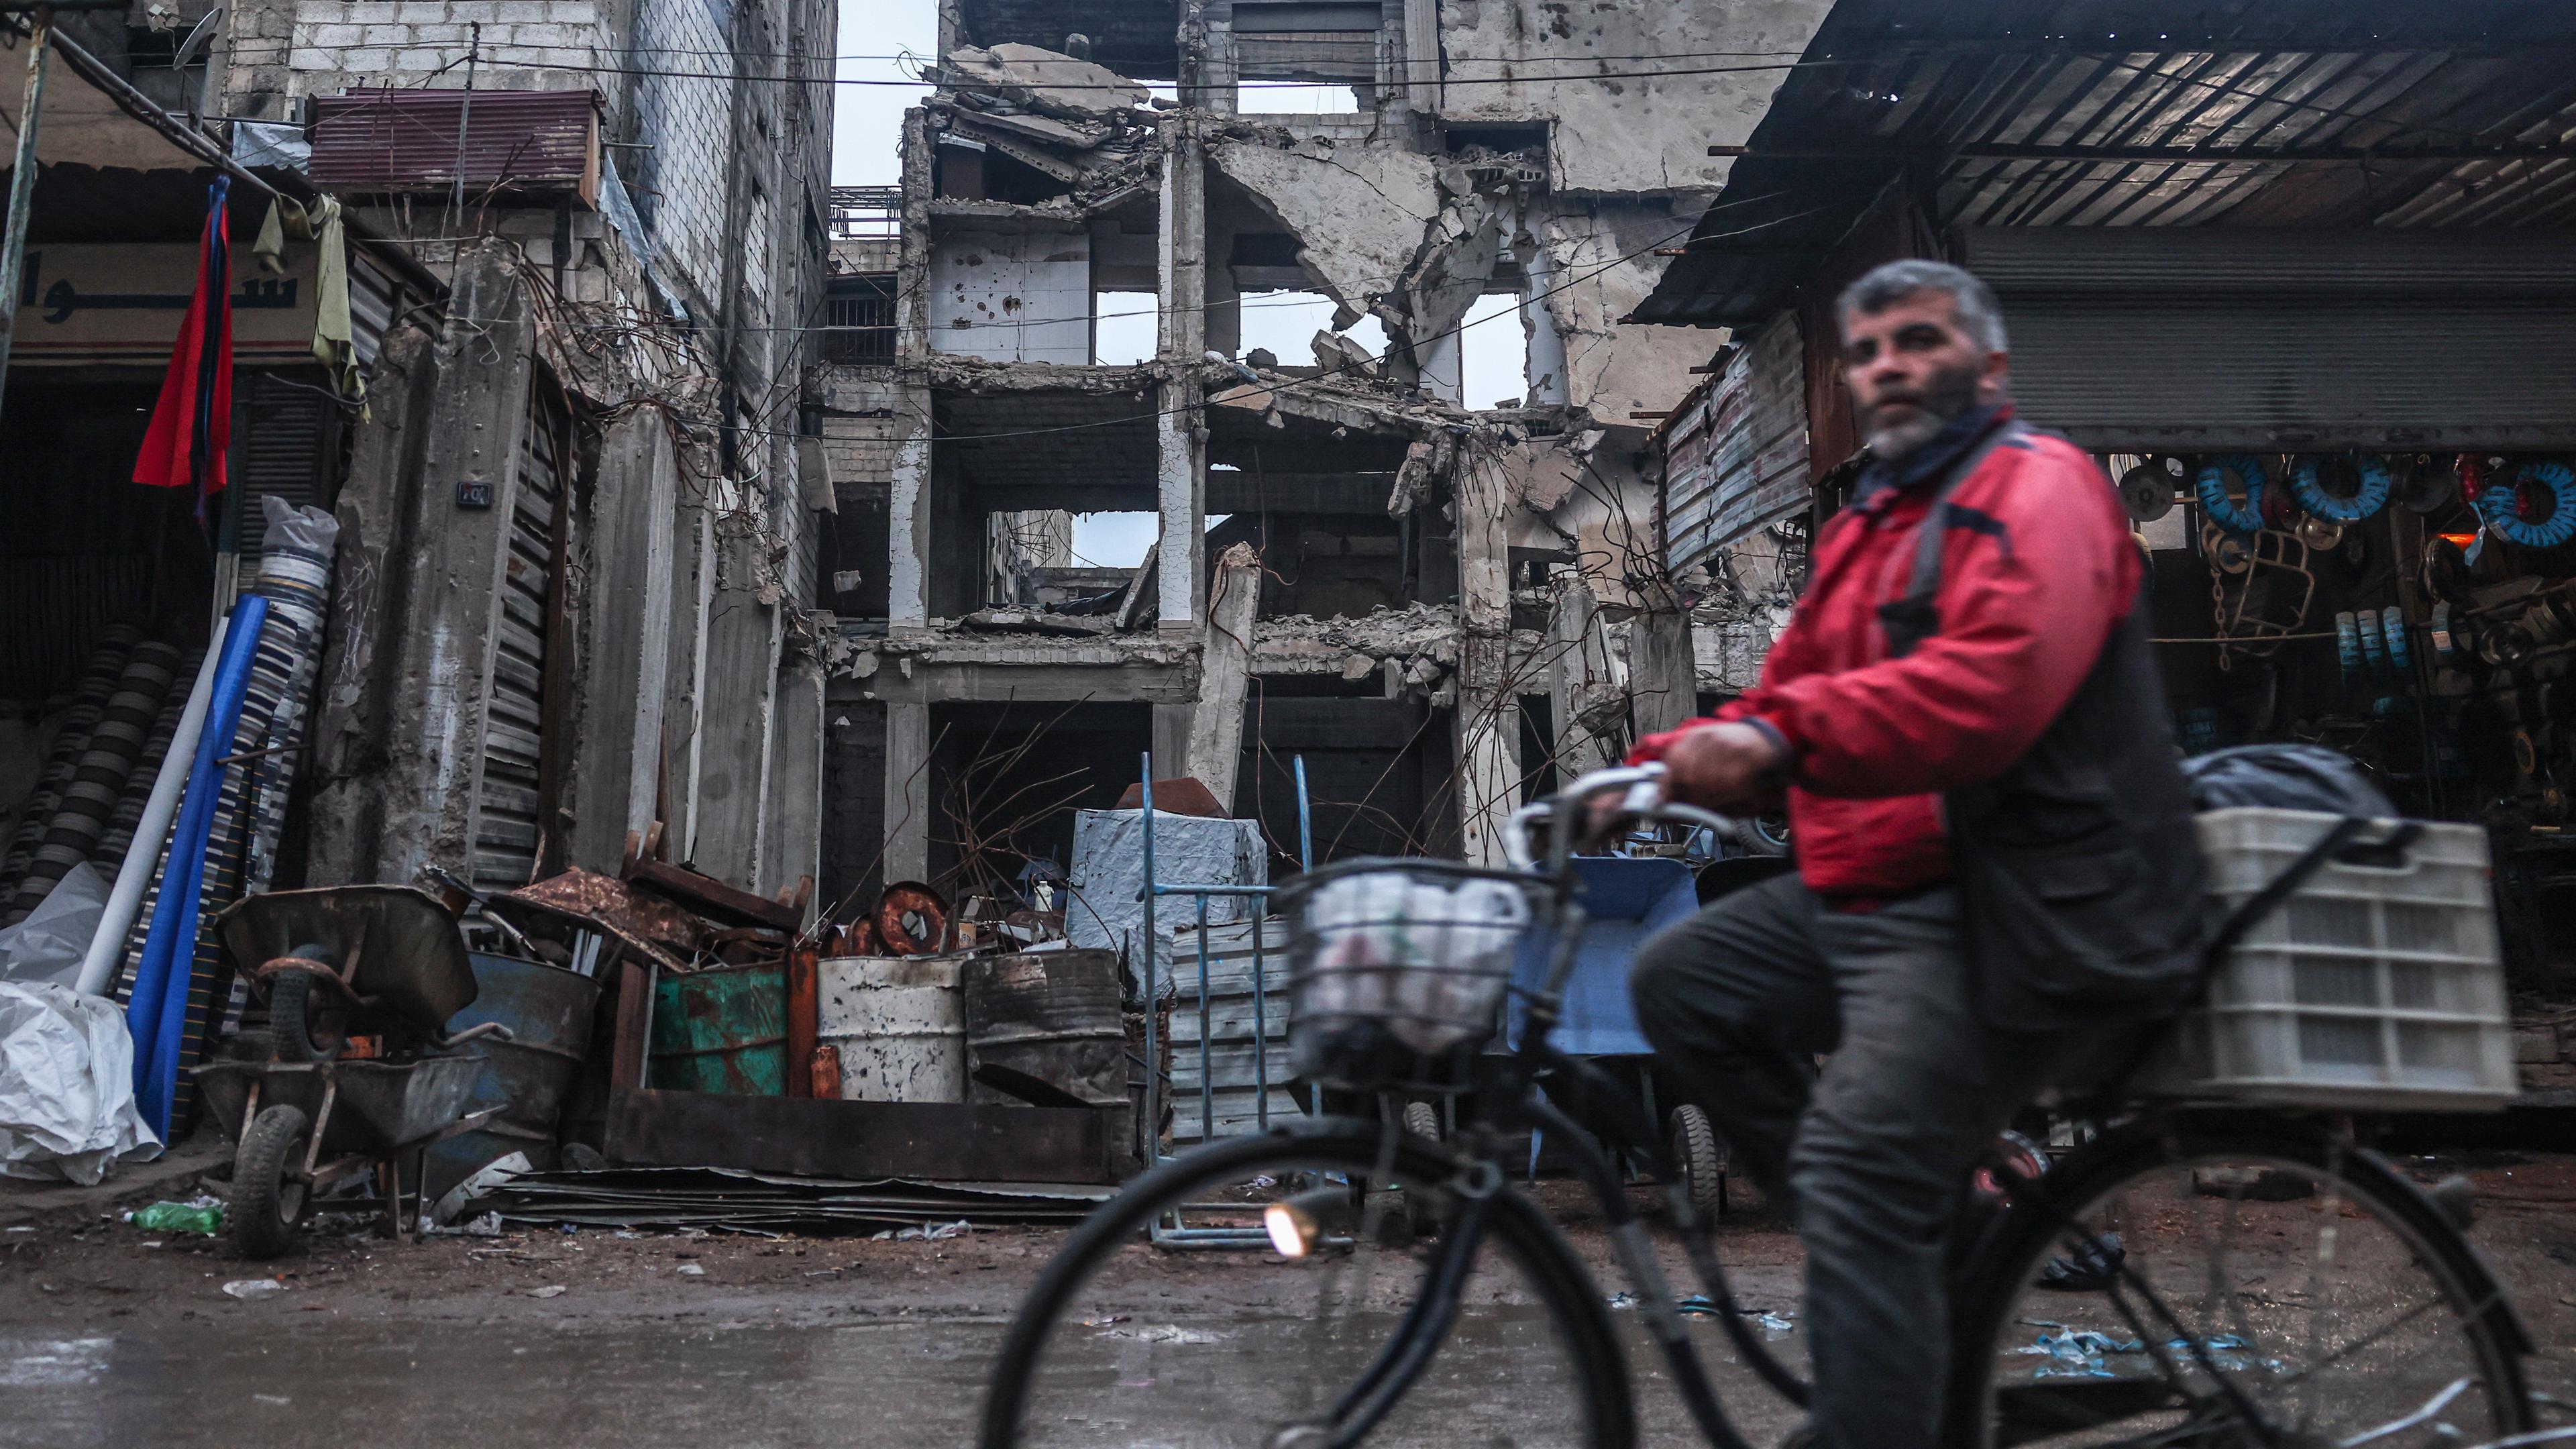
(1618, 130)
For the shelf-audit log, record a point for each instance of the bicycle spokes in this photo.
(2244, 1303)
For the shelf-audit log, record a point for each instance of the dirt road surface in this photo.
(110, 1336)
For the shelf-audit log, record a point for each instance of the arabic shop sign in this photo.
(124, 303)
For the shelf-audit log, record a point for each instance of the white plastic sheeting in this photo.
(1109, 867)
(66, 1086)
(49, 944)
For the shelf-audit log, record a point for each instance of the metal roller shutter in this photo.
(511, 798)
(2165, 339)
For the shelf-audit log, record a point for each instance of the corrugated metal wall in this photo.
(2157, 339)
(1740, 463)
(396, 140)
(505, 838)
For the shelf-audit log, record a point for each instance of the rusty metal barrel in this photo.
(550, 1013)
(895, 1023)
(723, 1029)
(1052, 1015)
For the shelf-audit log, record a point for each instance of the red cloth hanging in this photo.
(192, 424)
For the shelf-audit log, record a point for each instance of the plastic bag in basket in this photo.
(1428, 958)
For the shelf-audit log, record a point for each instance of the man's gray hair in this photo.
(1884, 287)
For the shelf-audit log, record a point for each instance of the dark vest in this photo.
(2078, 869)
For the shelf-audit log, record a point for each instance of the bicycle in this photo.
(2188, 1276)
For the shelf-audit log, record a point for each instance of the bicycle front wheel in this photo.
(2192, 1283)
(1121, 1344)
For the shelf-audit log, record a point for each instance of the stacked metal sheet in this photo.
(727, 1198)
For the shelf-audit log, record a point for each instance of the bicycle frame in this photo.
(1513, 1085)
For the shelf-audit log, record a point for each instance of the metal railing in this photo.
(1174, 1231)
(866, 211)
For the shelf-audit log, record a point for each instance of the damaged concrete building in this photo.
(578, 510)
(1440, 601)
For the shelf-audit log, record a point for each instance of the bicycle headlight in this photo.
(1297, 1223)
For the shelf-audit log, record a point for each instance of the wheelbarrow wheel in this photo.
(267, 1201)
(1421, 1119)
(291, 1019)
(1701, 1160)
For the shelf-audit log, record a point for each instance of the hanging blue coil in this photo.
(2392, 628)
(2348, 644)
(2500, 505)
(2211, 486)
(2368, 499)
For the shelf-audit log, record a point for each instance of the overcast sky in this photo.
(868, 120)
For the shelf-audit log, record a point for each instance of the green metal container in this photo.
(722, 1030)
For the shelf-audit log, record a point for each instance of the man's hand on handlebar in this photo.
(1602, 802)
(1734, 769)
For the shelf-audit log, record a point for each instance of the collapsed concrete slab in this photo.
(1044, 80)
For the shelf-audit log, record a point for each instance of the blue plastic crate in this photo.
(1624, 901)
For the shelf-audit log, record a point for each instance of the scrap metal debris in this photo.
(731, 1199)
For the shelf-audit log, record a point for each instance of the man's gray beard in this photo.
(1901, 441)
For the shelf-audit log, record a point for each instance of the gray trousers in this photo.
(1737, 1001)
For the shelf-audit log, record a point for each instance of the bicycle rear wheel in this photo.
(2179, 1283)
(1120, 1345)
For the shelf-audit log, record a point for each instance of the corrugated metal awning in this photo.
(418, 140)
(2120, 113)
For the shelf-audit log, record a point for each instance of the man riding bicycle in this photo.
(1995, 845)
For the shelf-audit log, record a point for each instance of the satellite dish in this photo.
(198, 34)
(2147, 491)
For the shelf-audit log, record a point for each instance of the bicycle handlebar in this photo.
(1566, 812)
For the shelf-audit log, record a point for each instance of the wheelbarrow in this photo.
(299, 1127)
(336, 963)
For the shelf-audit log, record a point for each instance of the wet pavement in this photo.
(281, 1379)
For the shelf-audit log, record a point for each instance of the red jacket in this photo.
(2037, 568)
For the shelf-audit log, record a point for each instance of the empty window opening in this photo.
(971, 171)
(1284, 324)
(1494, 350)
(1120, 540)
(858, 319)
(1123, 328)
(1296, 98)
(1113, 540)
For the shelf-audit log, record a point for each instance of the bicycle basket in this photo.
(1396, 968)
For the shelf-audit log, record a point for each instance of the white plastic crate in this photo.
(2369, 987)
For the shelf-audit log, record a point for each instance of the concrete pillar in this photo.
(626, 651)
(693, 577)
(907, 792)
(1171, 741)
(1216, 723)
(1546, 355)
(1422, 56)
(735, 719)
(1224, 329)
(373, 598)
(1578, 674)
(1180, 436)
(908, 510)
(1208, 71)
(908, 520)
(793, 845)
(1663, 677)
(1444, 367)
(460, 558)
(1488, 721)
